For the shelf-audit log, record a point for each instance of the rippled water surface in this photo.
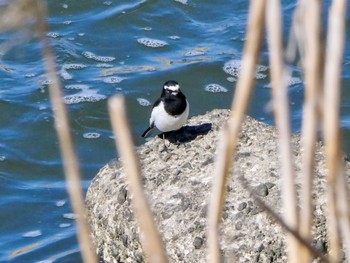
(103, 48)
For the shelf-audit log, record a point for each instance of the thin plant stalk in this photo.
(332, 90)
(149, 235)
(231, 130)
(70, 162)
(343, 212)
(282, 118)
(311, 16)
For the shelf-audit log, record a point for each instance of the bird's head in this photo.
(171, 87)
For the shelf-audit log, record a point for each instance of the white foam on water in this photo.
(231, 79)
(215, 88)
(261, 68)
(193, 53)
(234, 67)
(69, 66)
(2, 158)
(95, 57)
(70, 216)
(30, 75)
(77, 86)
(60, 203)
(84, 95)
(147, 28)
(75, 99)
(53, 34)
(46, 82)
(174, 37)
(64, 225)
(34, 233)
(294, 81)
(91, 135)
(143, 102)
(112, 80)
(260, 75)
(184, 2)
(103, 65)
(65, 74)
(150, 42)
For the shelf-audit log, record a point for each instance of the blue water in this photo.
(103, 48)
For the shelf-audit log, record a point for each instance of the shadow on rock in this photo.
(186, 133)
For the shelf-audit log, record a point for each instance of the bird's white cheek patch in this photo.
(175, 88)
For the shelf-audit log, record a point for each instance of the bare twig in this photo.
(311, 29)
(231, 130)
(70, 162)
(282, 117)
(281, 222)
(332, 90)
(150, 237)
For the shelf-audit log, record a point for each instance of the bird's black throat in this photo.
(174, 104)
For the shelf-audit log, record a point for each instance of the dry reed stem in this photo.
(311, 36)
(149, 235)
(282, 118)
(70, 162)
(231, 130)
(18, 14)
(332, 90)
(280, 221)
(293, 44)
(343, 212)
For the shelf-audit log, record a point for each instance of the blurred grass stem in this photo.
(70, 162)
(338, 198)
(282, 118)
(230, 133)
(310, 27)
(149, 235)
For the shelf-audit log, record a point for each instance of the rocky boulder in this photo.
(178, 181)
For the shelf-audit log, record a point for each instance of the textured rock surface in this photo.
(178, 184)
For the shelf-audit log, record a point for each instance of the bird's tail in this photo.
(146, 132)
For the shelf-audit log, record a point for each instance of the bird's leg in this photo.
(165, 146)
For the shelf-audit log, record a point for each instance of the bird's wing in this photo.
(157, 102)
(151, 121)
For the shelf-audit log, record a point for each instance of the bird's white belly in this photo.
(165, 122)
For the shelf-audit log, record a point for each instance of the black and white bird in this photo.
(170, 110)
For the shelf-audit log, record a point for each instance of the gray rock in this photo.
(241, 206)
(239, 225)
(122, 196)
(262, 190)
(178, 184)
(198, 242)
(256, 210)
